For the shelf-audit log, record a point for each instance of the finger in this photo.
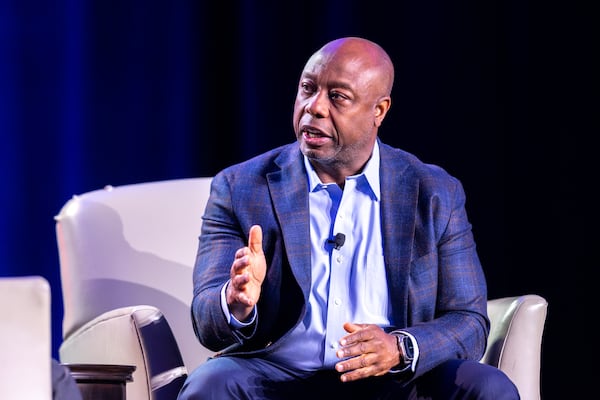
(352, 336)
(241, 252)
(255, 239)
(350, 327)
(352, 350)
(358, 374)
(356, 368)
(238, 266)
(239, 281)
(242, 298)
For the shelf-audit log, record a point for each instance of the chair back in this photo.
(515, 340)
(133, 245)
(25, 338)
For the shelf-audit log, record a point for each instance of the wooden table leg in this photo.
(101, 381)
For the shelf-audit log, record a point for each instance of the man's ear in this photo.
(381, 109)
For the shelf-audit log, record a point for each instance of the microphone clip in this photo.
(338, 241)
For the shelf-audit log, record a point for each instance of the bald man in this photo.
(338, 267)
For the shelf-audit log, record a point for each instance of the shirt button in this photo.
(339, 259)
(337, 302)
(333, 345)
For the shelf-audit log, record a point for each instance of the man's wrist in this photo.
(406, 349)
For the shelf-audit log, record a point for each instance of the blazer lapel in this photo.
(289, 192)
(398, 221)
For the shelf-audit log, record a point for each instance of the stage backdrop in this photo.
(118, 92)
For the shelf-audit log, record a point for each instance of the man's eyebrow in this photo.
(330, 85)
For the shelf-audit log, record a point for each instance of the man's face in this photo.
(335, 112)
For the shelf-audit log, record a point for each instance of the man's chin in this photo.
(311, 152)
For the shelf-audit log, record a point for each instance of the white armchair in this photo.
(126, 258)
(25, 338)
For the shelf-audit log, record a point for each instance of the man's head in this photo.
(343, 96)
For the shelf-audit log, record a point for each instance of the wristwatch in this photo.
(405, 347)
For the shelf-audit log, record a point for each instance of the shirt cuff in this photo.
(232, 320)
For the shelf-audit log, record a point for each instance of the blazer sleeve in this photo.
(447, 293)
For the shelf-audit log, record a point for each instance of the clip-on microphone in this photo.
(338, 241)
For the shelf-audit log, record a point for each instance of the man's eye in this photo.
(306, 87)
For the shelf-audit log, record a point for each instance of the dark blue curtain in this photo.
(118, 92)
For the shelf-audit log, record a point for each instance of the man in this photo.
(337, 266)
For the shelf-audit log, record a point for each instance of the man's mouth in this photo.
(313, 133)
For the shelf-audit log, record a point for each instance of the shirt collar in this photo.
(370, 173)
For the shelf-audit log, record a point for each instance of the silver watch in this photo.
(405, 346)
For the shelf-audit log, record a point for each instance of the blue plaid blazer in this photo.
(436, 283)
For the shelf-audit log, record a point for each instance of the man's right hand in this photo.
(247, 275)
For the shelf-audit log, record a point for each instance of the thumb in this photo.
(255, 239)
(350, 327)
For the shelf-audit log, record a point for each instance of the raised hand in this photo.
(247, 275)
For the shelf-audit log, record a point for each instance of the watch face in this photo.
(408, 347)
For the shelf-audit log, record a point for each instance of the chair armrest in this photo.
(138, 336)
(515, 340)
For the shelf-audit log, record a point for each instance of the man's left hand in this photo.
(371, 352)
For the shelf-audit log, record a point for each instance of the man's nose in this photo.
(317, 105)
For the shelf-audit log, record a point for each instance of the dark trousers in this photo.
(237, 378)
(64, 386)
